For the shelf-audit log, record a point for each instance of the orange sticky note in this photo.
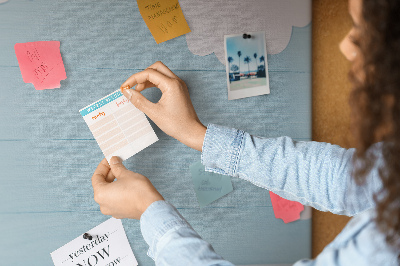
(284, 209)
(41, 64)
(164, 18)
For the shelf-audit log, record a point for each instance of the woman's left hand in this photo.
(128, 196)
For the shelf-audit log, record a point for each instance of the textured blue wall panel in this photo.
(48, 155)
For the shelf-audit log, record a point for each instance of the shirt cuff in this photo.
(221, 149)
(158, 219)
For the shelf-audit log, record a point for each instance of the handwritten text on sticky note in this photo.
(41, 64)
(164, 18)
(209, 186)
(284, 209)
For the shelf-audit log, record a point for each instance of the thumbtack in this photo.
(87, 236)
(125, 88)
(246, 36)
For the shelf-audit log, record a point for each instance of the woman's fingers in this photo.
(100, 174)
(110, 177)
(142, 86)
(160, 67)
(141, 102)
(153, 76)
(145, 79)
(174, 112)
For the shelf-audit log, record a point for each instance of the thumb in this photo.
(138, 100)
(117, 167)
(99, 176)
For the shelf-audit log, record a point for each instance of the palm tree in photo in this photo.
(261, 72)
(247, 60)
(230, 60)
(239, 55)
(234, 68)
(262, 59)
(255, 59)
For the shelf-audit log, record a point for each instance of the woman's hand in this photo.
(128, 196)
(173, 113)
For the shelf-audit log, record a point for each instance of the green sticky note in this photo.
(209, 186)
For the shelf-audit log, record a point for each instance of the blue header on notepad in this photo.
(101, 103)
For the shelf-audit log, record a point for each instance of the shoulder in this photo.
(361, 241)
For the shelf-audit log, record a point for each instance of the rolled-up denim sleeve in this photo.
(172, 241)
(313, 173)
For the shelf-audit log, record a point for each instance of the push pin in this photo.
(246, 36)
(125, 88)
(87, 236)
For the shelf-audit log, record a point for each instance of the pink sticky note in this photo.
(284, 209)
(41, 64)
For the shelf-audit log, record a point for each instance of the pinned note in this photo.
(107, 246)
(118, 126)
(284, 209)
(209, 186)
(164, 18)
(41, 64)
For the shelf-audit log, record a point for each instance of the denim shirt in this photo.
(312, 173)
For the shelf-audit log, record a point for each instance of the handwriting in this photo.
(163, 11)
(122, 102)
(42, 71)
(100, 114)
(34, 55)
(205, 182)
(153, 6)
(169, 24)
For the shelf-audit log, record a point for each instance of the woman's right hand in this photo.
(173, 113)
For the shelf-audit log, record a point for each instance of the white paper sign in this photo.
(118, 126)
(108, 247)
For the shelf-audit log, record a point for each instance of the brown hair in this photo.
(375, 103)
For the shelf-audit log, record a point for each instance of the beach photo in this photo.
(246, 65)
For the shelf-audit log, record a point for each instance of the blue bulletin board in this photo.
(48, 155)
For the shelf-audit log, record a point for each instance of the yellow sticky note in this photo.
(164, 18)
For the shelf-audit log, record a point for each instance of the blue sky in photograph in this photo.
(256, 44)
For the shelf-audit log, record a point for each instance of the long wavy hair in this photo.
(375, 103)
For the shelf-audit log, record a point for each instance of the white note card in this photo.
(108, 247)
(118, 126)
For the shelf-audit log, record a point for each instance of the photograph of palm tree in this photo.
(246, 65)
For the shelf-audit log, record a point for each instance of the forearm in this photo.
(172, 241)
(312, 173)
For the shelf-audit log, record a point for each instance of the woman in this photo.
(362, 182)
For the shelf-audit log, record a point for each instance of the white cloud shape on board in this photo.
(209, 21)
